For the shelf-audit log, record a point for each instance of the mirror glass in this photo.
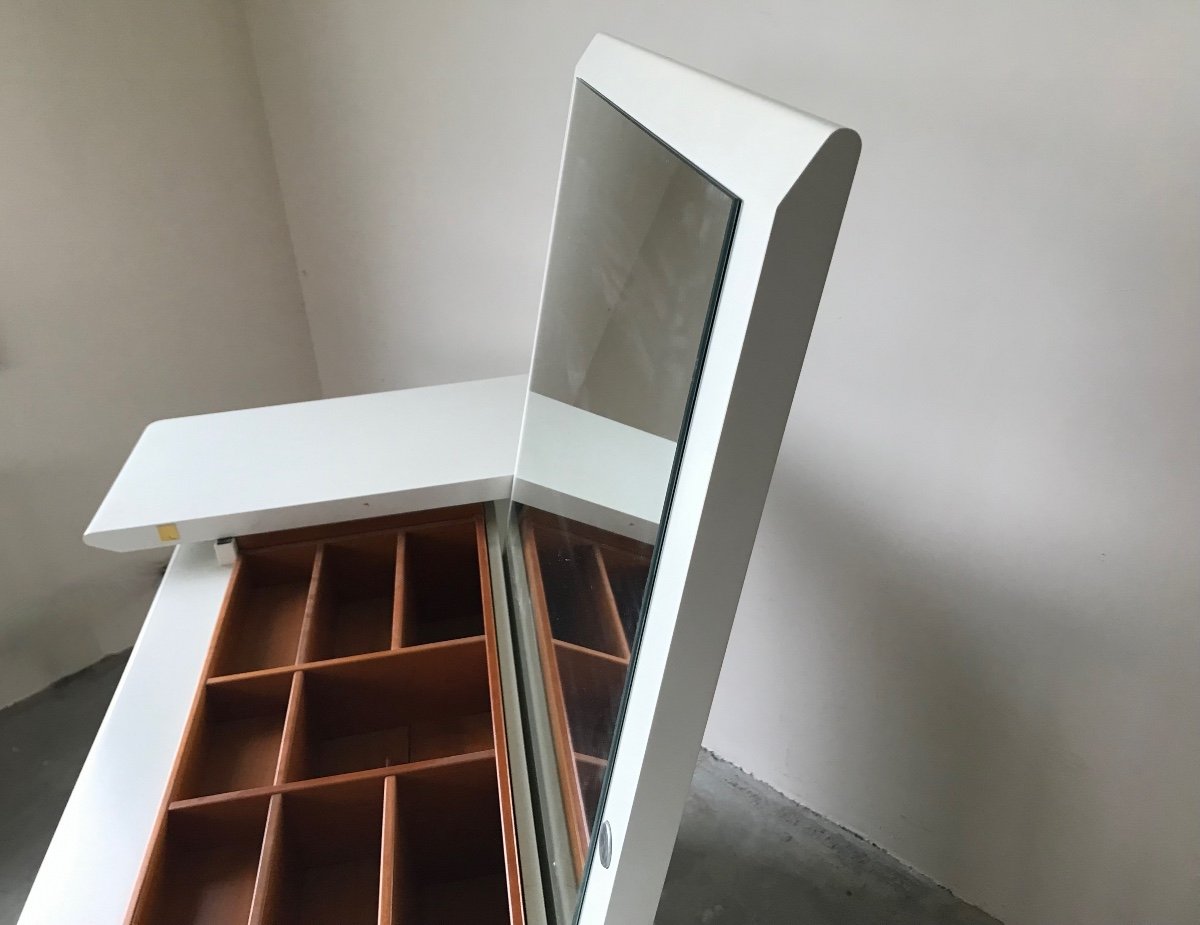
(637, 253)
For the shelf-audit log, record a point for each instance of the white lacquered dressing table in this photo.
(623, 481)
(200, 476)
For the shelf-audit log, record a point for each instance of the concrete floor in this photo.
(745, 854)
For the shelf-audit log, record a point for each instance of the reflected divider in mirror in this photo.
(638, 252)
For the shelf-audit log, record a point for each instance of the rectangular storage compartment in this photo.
(262, 623)
(448, 867)
(203, 868)
(403, 707)
(590, 773)
(591, 686)
(443, 597)
(355, 597)
(340, 764)
(236, 737)
(323, 857)
(579, 602)
(627, 574)
(586, 591)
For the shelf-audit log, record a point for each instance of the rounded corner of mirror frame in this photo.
(663, 96)
(791, 174)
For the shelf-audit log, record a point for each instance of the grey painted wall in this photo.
(970, 627)
(145, 272)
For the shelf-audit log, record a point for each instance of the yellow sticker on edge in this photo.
(168, 533)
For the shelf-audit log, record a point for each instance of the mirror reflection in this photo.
(636, 258)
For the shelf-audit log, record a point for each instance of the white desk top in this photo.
(314, 462)
(288, 466)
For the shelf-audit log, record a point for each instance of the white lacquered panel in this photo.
(260, 469)
(792, 174)
(591, 469)
(90, 869)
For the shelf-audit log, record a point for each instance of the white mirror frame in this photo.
(792, 173)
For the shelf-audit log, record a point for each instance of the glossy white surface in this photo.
(315, 462)
(792, 173)
(592, 469)
(148, 271)
(89, 871)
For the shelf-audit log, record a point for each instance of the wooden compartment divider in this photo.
(268, 882)
(442, 596)
(352, 611)
(591, 772)
(316, 589)
(450, 848)
(204, 867)
(237, 732)
(625, 575)
(294, 726)
(360, 715)
(592, 685)
(398, 591)
(388, 855)
(345, 760)
(329, 855)
(265, 611)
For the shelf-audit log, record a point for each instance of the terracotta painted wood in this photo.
(352, 614)
(316, 590)
(266, 903)
(267, 611)
(351, 689)
(559, 645)
(625, 576)
(290, 765)
(398, 591)
(356, 527)
(208, 865)
(365, 657)
(388, 854)
(434, 765)
(591, 771)
(363, 714)
(443, 570)
(453, 851)
(592, 687)
(607, 605)
(238, 731)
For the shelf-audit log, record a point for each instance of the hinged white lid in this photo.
(199, 478)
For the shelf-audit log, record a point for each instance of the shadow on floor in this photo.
(43, 741)
(746, 854)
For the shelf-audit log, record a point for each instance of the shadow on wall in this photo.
(746, 854)
(64, 605)
(937, 716)
(911, 685)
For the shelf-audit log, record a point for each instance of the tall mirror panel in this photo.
(636, 260)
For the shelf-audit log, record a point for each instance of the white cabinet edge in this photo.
(239, 472)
